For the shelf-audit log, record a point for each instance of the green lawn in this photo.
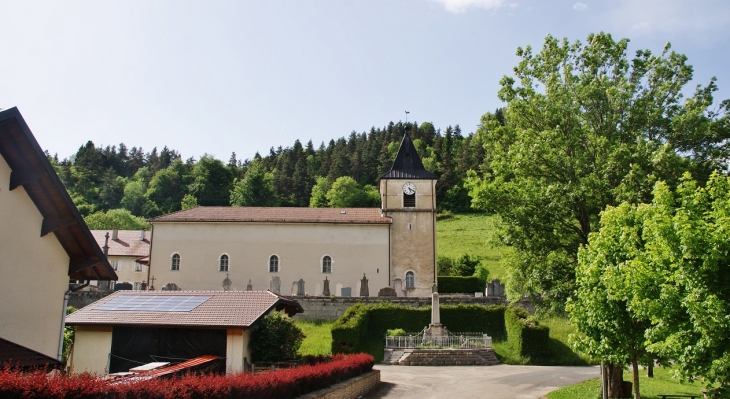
(472, 234)
(318, 339)
(662, 383)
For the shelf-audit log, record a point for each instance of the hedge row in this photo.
(460, 285)
(526, 336)
(287, 383)
(362, 328)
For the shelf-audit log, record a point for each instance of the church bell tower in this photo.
(408, 193)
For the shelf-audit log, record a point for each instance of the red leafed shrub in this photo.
(286, 383)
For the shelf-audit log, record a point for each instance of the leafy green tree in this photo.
(255, 189)
(318, 198)
(188, 202)
(600, 308)
(212, 182)
(346, 193)
(166, 190)
(586, 127)
(115, 219)
(275, 339)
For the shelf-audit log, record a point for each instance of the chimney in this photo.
(115, 234)
(141, 235)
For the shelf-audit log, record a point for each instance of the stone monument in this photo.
(364, 291)
(249, 286)
(300, 287)
(275, 285)
(326, 290)
(227, 283)
(435, 331)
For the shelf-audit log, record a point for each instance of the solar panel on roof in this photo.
(154, 303)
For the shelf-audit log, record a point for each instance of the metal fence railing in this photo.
(451, 341)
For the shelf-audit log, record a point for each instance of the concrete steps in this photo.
(445, 357)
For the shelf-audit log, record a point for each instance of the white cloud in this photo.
(580, 6)
(459, 6)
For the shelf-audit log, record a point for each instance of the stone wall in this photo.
(351, 389)
(331, 308)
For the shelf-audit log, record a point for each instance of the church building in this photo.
(307, 251)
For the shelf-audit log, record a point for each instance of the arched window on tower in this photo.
(223, 263)
(326, 264)
(175, 263)
(410, 280)
(274, 264)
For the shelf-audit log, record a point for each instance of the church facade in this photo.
(307, 251)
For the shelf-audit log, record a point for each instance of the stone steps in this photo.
(447, 357)
(392, 356)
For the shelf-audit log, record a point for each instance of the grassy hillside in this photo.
(472, 234)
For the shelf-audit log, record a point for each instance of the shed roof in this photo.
(128, 243)
(31, 169)
(407, 164)
(222, 309)
(276, 215)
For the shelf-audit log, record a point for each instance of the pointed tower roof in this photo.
(407, 164)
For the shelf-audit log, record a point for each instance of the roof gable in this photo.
(31, 169)
(407, 164)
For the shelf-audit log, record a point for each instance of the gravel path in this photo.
(499, 382)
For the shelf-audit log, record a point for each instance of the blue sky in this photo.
(221, 76)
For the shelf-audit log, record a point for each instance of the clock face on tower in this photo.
(409, 188)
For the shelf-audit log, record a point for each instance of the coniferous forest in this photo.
(116, 185)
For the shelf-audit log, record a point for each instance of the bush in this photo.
(465, 266)
(362, 328)
(284, 383)
(459, 285)
(444, 264)
(396, 332)
(525, 335)
(277, 338)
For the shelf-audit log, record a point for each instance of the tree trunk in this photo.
(615, 375)
(635, 369)
(650, 369)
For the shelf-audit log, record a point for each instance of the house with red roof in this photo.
(128, 252)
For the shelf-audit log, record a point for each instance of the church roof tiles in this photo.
(276, 215)
(126, 244)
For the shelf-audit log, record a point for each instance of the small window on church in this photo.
(410, 280)
(274, 264)
(409, 200)
(115, 265)
(138, 267)
(223, 263)
(175, 264)
(326, 264)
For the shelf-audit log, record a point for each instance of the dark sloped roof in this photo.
(221, 309)
(276, 215)
(126, 244)
(12, 354)
(32, 170)
(407, 164)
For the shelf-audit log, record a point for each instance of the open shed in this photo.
(130, 328)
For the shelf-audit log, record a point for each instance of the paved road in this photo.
(484, 382)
